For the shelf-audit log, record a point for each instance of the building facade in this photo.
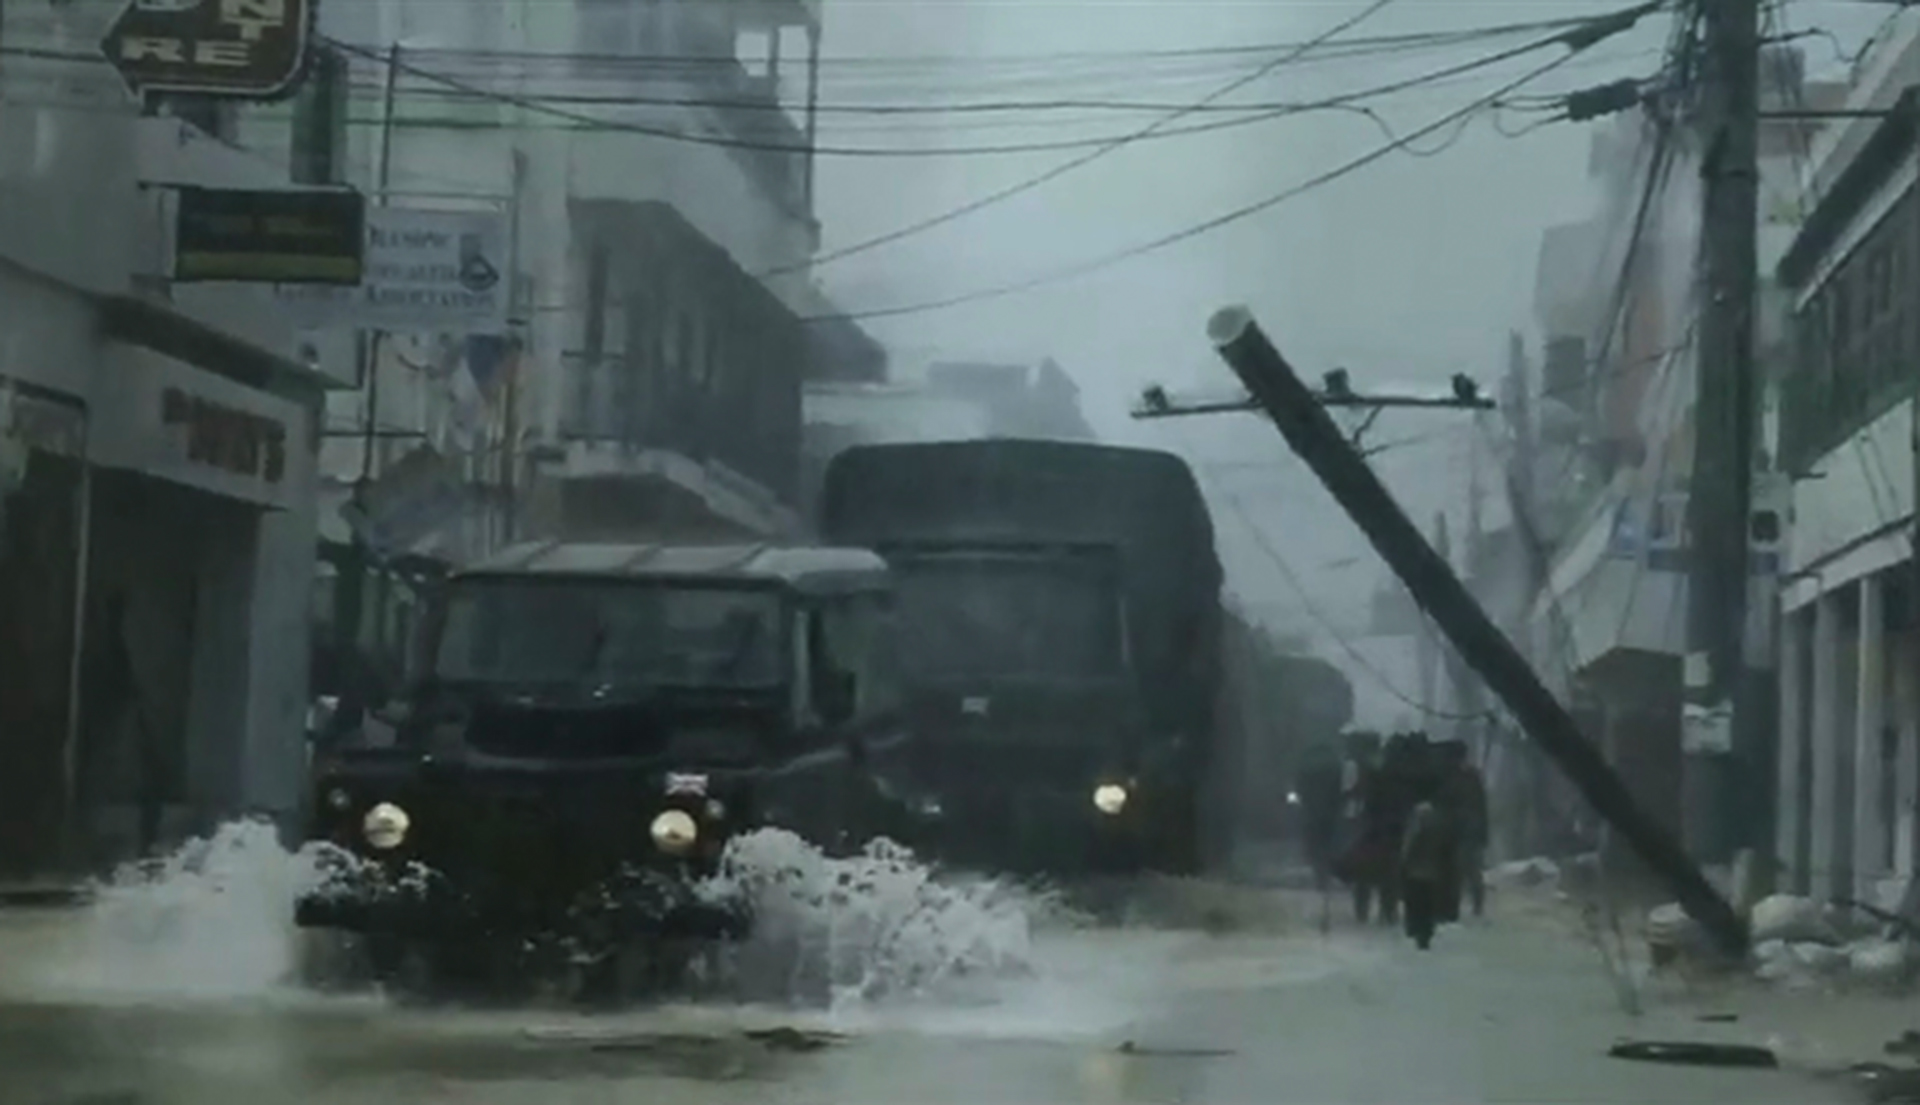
(1849, 742)
(157, 466)
(654, 159)
(649, 166)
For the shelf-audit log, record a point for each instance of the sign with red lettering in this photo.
(226, 438)
(237, 49)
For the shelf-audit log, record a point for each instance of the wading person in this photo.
(1463, 799)
(1425, 863)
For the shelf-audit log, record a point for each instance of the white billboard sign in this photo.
(426, 271)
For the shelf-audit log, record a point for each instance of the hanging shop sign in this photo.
(237, 49)
(425, 271)
(282, 236)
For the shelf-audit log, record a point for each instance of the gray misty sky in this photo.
(1405, 272)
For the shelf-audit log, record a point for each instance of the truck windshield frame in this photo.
(974, 612)
(612, 632)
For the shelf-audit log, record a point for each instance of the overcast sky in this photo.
(1405, 272)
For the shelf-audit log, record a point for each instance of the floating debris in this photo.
(1131, 1048)
(1695, 1053)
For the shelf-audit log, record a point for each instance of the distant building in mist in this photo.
(938, 401)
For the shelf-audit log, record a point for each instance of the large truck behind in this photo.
(1060, 616)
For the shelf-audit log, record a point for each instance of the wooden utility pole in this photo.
(1310, 430)
(1432, 650)
(1469, 697)
(1728, 738)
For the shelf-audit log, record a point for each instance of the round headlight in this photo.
(675, 831)
(385, 826)
(1110, 798)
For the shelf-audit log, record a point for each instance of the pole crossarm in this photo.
(1155, 402)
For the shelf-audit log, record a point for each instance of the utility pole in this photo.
(1727, 740)
(1431, 648)
(1310, 430)
(1468, 696)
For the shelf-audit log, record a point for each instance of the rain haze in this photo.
(1405, 272)
(581, 550)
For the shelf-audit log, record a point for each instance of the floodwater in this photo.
(174, 989)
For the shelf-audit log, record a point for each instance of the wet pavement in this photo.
(1508, 1011)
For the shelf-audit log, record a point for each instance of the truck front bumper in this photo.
(377, 901)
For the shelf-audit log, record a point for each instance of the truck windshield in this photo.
(1010, 615)
(600, 633)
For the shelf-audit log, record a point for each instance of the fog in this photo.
(1405, 272)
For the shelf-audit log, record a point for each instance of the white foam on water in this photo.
(211, 922)
(877, 927)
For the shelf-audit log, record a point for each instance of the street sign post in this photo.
(233, 49)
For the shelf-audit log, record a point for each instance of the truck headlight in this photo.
(385, 826)
(1110, 798)
(675, 831)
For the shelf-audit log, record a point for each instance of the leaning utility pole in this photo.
(1431, 648)
(1727, 740)
(1310, 430)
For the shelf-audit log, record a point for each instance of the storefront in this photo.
(193, 651)
(42, 527)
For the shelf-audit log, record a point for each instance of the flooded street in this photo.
(172, 992)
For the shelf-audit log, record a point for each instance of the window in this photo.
(536, 632)
(854, 634)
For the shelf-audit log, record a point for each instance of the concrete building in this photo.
(1849, 769)
(651, 165)
(654, 163)
(157, 473)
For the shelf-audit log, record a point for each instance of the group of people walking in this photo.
(1403, 822)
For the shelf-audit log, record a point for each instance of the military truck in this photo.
(1060, 622)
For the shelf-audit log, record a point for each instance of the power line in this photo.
(1058, 171)
(1032, 183)
(1313, 609)
(1215, 223)
(541, 106)
(1124, 60)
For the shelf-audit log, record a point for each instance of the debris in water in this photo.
(1695, 1053)
(784, 1038)
(1130, 1048)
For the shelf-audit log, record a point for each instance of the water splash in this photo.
(874, 927)
(213, 922)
